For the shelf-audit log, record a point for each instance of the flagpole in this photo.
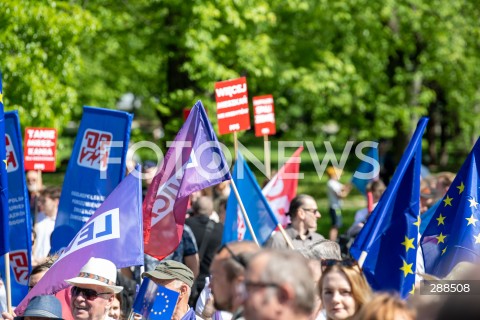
(8, 286)
(235, 146)
(244, 212)
(361, 259)
(266, 147)
(285, 235)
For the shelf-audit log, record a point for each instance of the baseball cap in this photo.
(171, 270)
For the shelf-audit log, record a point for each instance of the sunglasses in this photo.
(240, 259)
(89, 294)
(332, 262)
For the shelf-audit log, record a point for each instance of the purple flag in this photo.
(193, 162)
(102, 236)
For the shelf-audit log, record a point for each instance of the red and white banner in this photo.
(40, 149)
(264, 115)
(232, 105)
(282, 188)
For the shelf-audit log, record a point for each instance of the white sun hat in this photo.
(97, 271)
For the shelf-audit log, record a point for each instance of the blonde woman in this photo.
(343, 289)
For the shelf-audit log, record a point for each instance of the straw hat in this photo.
(97, 271)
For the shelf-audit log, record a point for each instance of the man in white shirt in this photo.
(336, 192)
(45, 224)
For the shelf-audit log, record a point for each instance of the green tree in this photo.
(41, 58)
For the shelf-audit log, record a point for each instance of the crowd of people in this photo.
(302, 275)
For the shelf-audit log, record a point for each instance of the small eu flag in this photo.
(155, 302)
(453, 234)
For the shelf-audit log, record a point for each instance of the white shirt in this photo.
(43, 230)
(333, 189)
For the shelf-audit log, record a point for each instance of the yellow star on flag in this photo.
(441, 238)
(448, 201)
(412, 292)
(6, 163)
(444, 250)
(471, 220)
(406, 268)
(1, 97)
(418, 222)
(477, 238)
(408, 243)
(440, 220)
(460, 188)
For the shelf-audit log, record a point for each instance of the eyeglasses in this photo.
(332, 262)
(259, 284)
(311, 210)
(238, 258)
(89, 294)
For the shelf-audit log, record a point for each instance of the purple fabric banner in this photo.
(102, 236)
(193, 162)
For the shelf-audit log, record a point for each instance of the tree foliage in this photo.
(372, 67)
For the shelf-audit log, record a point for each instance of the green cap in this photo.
(170, 270)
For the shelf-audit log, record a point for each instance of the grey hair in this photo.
(322, 249)
(177, 284)
(289, 267)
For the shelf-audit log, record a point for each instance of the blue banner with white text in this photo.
(19, 221)
(96, 167)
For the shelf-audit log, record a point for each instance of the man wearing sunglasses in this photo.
(93, 290)
(304, 215)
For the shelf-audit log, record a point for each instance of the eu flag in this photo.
(260, 214)
(155, 302)
(4, 234)
(453, 234)
(389, 237)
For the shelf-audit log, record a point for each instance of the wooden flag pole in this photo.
(266, 147)
(8, 285)
(235, 146)
(244, 212)
(285, 236)
(361, 259)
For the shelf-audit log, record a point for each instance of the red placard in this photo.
(232, 105)
(264, 115)
(40, 149)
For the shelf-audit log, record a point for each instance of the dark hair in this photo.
(51, 192)
(43, 266)
(296, 203)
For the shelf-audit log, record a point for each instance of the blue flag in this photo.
(19, 210)
(96, 167)
(453, 234)
(367, 170)
(390, 235)
(261, 216)
(155, 302)
(114, 232)
(4, 231)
